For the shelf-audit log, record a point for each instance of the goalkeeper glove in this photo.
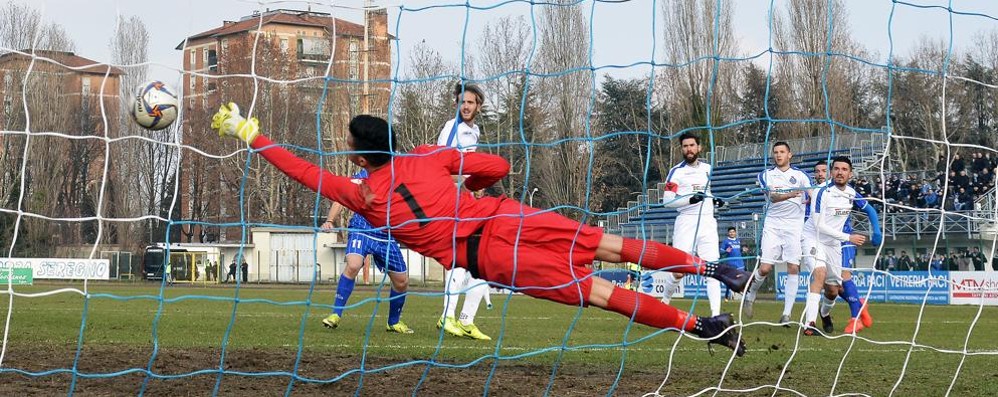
(229, 122)
(696, 198)
(718, 202)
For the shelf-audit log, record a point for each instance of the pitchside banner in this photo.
(653, 283)
(973, 288)
(899, 287)
(61, 268)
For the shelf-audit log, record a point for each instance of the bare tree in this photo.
(508, 118)
(423, 103)
(700, 89)
(809, 31)
(562, 165)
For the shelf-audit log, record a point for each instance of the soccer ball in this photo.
(155, 105)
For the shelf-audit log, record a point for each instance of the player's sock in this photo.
(851, 295)
(648, 311)
(658, 256)
(714, 296)
(669, 288)
(343, 290)
(477, 289)
(395, 306)
(826, 306)
(811, 307)
(793, 284)
(454, 281)
(757, 280)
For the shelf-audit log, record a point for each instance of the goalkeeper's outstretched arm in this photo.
(228, 122)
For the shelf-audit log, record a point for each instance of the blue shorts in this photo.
(387, 254)
(848, 256)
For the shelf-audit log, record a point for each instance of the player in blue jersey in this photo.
(364, 240)
(731, 252)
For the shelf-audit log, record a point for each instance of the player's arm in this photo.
(670, 196)
(334, 212)
(483, 169)
(860, 203)
(228, 122)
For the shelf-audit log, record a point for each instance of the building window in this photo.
(193, 58)
(193, 83)
(211, 60)
(284, 45)
(354, 70)
(85, 86)
(225, 44)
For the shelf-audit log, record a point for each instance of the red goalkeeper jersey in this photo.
(414, 193)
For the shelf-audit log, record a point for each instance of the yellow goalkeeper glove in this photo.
(229, 122)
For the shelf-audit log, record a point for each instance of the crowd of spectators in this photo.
(966, 182)
(968, 260)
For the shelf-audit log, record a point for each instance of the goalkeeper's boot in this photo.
(450, 326)
(785, 321)
(854, 326)
(826, 324)
(472, 331)
(735, 279)
(331, 321)
(810, 329)
(399, 328)
(864, 314)
(715, 329)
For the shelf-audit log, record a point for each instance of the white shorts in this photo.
(830, 258)
(780, 245)
(697, 238)
(807, 260)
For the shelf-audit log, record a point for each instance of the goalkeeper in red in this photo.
(538, 253)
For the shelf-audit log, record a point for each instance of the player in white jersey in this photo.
(784, 187)
(463, 134)
(831, 208)
(687, 188)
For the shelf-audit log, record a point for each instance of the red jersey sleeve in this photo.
(334, 187)
(483, 169)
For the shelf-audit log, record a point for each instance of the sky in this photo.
(622, 32)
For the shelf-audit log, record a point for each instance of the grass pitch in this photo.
(950, 349)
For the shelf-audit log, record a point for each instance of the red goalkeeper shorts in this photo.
(546, 258)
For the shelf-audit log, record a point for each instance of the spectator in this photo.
(963, 262)
(963, 201)
(941, 164)
(931, 199)
(937, 263)
(905, 263)
(952, 263)
(977, 259)
(245, 268)
(957, 165)
(232, 271)
(980, 163)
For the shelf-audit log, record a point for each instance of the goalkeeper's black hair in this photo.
(821, 162)
(370, 134)
(730, 228)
